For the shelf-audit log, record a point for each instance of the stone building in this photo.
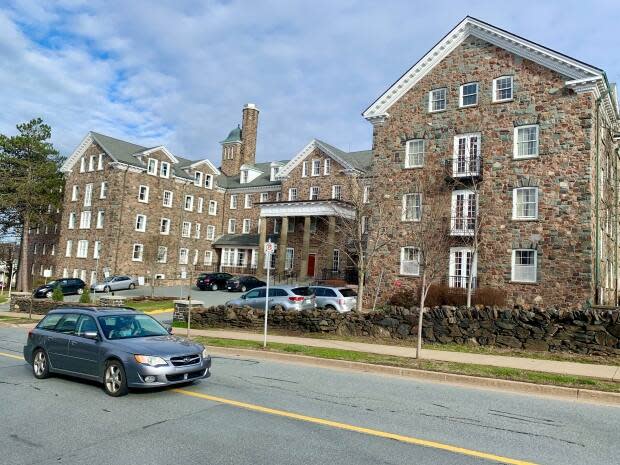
(526, 140)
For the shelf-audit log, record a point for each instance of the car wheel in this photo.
(330, 307)
(80, 291)
(40, 365)
(132, 286)
(243, 288)
(49, 294)
(214, 287)
(114, 381)
(106, 289)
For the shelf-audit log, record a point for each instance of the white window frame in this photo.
(292, 194)
(82, 164)
(232, 225)
(88, 195)
(264, 197)
(432, 99)
(495, 89)
(100, 162)
(164, 169)
(410, 262)
(97, 249)
(247, 226)
(289, 259)
(208, 181)
(278, 196)
(243, 178)
(198, 178)
(233, 201)
(164, 226)
(69, 248)
(364, 224)
(460, 278)
(516, 143)
(186, 229)
(72, 220)
(210, 232)
(75, 193)
(197, 227)
(91, 162)
(327, 166)
(463, 222)
(82, 249)
(162, 254)
(191, 203)
(462, 167)
(103, 190)
(201, 202)
(140, 226)
(304, 169)
(151, 167)
(314, 193)
(143, 194)
(276, 226)
(100, 219)
(418, 155)
(513, 271)
(208, 258)
(461, 95)
(337, 192)
(212, 207)
(85, 218)
(416, 207)
(137, 248)
(167, 195)
(515, 204)
(247, 202)
(316, 168)
(366, 195)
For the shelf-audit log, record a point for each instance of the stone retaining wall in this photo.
(590, 331)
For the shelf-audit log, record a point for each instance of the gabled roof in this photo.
(573, 69)
(359, 161)
(263, 179)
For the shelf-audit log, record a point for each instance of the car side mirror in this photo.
(94, 335)
(243, 297)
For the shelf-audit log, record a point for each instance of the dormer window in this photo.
(197, 178)
(274, 172)
(164, 170)
(244, 176)
(209, 181)
(151, 166)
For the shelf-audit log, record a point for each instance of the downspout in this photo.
(120, 218)
(616, 229)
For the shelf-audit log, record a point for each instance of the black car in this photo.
(213, 281)
(67, 286)
(244, 283)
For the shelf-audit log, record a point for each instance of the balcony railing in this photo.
(464, 167)
(462, 225)
(461, 282)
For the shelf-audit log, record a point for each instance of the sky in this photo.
(178, 73)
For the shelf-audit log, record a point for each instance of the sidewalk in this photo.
(605, 372)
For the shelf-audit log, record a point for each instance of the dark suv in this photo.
(67, 286)
(213, 281)
(243, 283)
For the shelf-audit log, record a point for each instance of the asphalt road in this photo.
(255, 412)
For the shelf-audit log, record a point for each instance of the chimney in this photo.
(249, 130)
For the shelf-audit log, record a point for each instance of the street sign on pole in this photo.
(269, 250)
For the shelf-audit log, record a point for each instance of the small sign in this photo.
(47, 273)
(270, 247)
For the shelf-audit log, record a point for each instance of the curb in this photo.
(575, 394)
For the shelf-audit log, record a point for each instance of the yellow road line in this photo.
(358, 429)
(345, 426)
(157, 312)
(18, 357)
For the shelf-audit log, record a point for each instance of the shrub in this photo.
(85, 297)
(442, 294)
(57, 295)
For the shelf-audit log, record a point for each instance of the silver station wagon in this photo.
(294, 298)
(118, 347)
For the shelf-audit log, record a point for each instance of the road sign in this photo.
(270, 247)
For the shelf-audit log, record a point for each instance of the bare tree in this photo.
(154, 257)
(9, 252)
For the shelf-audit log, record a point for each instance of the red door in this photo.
(311, 259)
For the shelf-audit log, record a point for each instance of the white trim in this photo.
(407, 153)
(477, 84)
(158, 148)
(470, 26)
(402, 257)
(512, 266)
(515, 142)
(445, 99)
(514, 204)
(308, 208)
(207, 162)
(307, 150)
(494, 98)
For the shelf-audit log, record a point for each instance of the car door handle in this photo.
(72, 343)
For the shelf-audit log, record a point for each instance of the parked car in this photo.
(213, 281)
(287, 297)
(118, 347)
(114, 283)
(67, 286)
(342, 299)
(243, 283)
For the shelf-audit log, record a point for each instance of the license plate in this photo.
(229, 288)
(308, 301)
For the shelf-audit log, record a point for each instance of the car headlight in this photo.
(150, 360)
(205, 354)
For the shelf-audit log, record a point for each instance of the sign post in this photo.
(270, 248)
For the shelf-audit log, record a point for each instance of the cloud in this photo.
(178, 73)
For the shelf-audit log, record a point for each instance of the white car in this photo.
(114, 283)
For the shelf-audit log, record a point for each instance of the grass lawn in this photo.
(147, 305)
(485, 371)
(4, 298)
(16, 320)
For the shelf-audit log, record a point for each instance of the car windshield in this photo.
(53, 283)
(346, 292)
(305, 291)
(108, 279)
(130, 326)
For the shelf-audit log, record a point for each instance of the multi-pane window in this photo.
(208, 181)
(75, 193)
(97, 249)
(314, 193)
(366, 195)
(82, 164)
(210, 232)
(100, 218)
(88, 195)
(162, 254)
(69, 248)
(524, 265)
(143, 194)
(409, 261)
(91, 163)
(327, 166)
(414, 153)
(164, 226)
(198, 178)
(336, 260)
(136, 254)
(264, 197)
(232, 224)
(468, 94)
(248, 201)
(103, 192)
(525, 203)
(82, 249)
(466, 159)
(183, 256)
(244, 177)
(100, 162)
(316, 167)
(186, 229)
(412, 207)
(289, 259)
(167, 199)
(233, 201)
(526, 141)
(140, 223)
(292, 194)
(304, 169)
(151, 166)
(85, 220)
(72, 217)
(462, 266)
(212, 207)
(208, 259)
(247, 224)
(276, 226)
(201, 202)
(336, 192)
(197, 227)
(188, 204)
(278, 196)
(464, 212)
(437, 100)
(164, 169)
(502, 89)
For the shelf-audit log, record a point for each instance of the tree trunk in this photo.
(22, 266)
(421, 314)
(360, 292)
(469, 288)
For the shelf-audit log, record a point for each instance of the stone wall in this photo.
(595, 332)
